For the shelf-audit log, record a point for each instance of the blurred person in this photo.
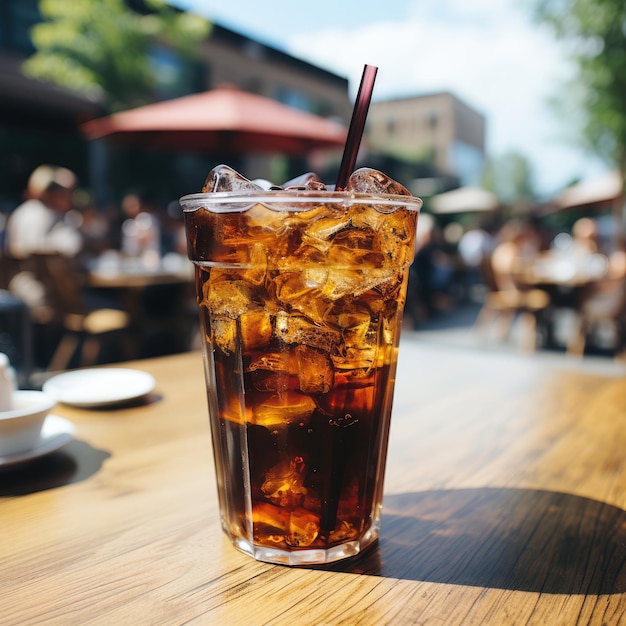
(510, 295)
(140, 230)
(128, 208)
(46, 223)
(131, 205)
(507, 259)
(173, 239)
(585, 236)
(580, 244)
(517, 247)
(41, 224)
(474, 249)
(93, 224)
(475, 245)
(431, 274)
(602, 302)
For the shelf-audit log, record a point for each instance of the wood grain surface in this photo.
(505, 498)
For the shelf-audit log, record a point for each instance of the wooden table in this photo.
(565, 272)
(505, 498)
(140, 278)
(159, 303)
(569, 282)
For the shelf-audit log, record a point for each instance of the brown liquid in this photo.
(301, 316)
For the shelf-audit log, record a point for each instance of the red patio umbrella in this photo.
(223, 120)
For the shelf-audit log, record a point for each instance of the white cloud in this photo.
(487, 53)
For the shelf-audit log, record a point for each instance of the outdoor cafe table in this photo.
(568, 281)
(158, 300)
(505, 498)
(140, 278)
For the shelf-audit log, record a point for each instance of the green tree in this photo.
(596, 33)
(510, 177)
(103, 48)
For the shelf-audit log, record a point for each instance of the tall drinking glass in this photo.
(301, 295)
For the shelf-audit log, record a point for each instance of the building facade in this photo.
(39, 122)
(438, 128)
(435, 137)
(229, 57)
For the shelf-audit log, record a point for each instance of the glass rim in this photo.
(224, 201)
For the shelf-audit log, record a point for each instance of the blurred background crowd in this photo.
(93, 264)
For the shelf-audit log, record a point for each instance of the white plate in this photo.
(56, 432)
(99, 386)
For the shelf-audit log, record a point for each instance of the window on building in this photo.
(432, 119)
(174, 76)
(294, 98)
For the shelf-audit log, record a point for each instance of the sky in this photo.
(488, 53)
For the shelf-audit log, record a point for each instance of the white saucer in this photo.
(56, 432)
(99, 386)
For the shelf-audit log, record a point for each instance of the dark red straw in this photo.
(357, 124)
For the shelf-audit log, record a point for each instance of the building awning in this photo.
(36, 104)
(464, 200)
(601, 190)
(225, 119)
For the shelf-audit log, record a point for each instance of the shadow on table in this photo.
(119, 407)
(518, 539)
(74, 463)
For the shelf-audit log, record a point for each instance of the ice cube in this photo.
(283, 485)
(303, 368)
(270, 362)
(293, 329)
(303, 528)
(282, 409)
(299, 527)
(262, 221)
(284, 488)
(229, 298)
(368, 180)
(224, 333)
(256, 329)
(396, 235)
(272, 383)
(315, 371)
(225, 178)
(257, 265)
(365, 217)
(354, 249)
(267, 516)
(271, 372)
(342, 283)
(358, 362)
(344, 532)
(325, 228)
(265, 184)
(309, 180)
(355, 322)
(293, 285)
(302, 291)
(275, 369)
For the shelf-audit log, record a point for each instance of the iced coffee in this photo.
(301, 291)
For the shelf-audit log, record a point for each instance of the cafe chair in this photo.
(18, 276)
(508, 299)
(604, 304)
(82, 325)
